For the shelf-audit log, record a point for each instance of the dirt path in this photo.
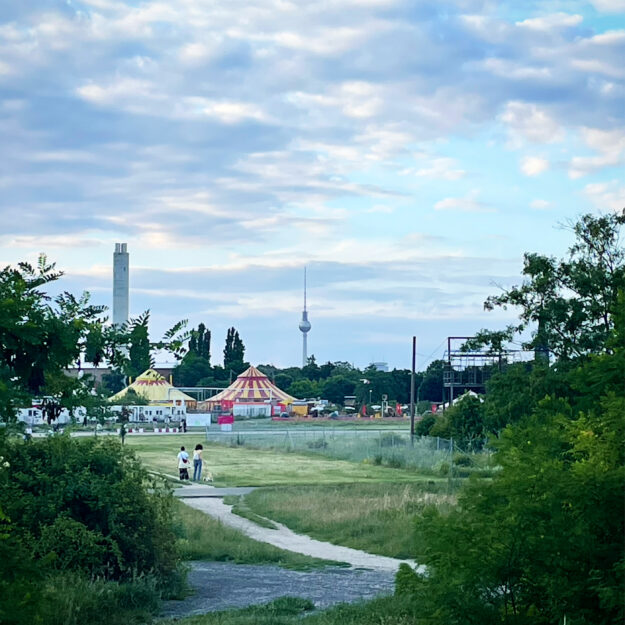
(223, 585)
(284, 538)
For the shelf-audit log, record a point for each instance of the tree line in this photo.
(542, 542)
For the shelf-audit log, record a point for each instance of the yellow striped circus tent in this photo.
(251, 386)
(153, 387)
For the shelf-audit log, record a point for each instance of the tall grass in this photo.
(72, 599)
(202, 538)
(378, 518)
(391, 449)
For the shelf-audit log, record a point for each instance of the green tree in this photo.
(40, 336)
(304, 389)
(234, 352)
(336, 387)
(568, 303)
(466, 420)
(431, 385)
(311, 371)
(191, 370)
(139, 355)
(200, 342)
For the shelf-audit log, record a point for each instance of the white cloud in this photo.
(527, 122)
(540, 204)
(467, 204)
(534, 165)
(609, 6)
(381, 208)
(513, 70)
(548, 22)
(611, 147)
(606, 195)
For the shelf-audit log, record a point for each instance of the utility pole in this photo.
(412, 373)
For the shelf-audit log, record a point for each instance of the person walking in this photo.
(197, 463)
(183, 464)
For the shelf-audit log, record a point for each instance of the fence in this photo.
(391, 448)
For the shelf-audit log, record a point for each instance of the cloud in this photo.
(534, 165)
(610, 144)
(265, 135)
(549, 22)
(527, 122)
(467, 204)
(606, 195)
(439, 168)
(609, 6)
(540, 204)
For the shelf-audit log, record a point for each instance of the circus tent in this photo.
(252, 386)
(153, 387)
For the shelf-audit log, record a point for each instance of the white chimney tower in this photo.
(120, 284)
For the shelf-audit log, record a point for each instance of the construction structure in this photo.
(252, 394)
(304, 326)
(469, 370)
(121, 282)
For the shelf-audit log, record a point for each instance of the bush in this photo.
(86, 503)
(424, 426)
(391, 440)
(463, 460)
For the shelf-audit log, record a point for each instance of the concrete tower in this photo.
(304, 326)
(120, 284)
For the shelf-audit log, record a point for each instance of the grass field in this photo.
(378, 518)
(202, 538)
(297, 611)
(238, 466)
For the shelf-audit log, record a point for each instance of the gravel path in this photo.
(284, 538)
(223, 585)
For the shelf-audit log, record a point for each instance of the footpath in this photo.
(208, 499)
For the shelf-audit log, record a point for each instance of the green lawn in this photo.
(378, 518)
(239, 466)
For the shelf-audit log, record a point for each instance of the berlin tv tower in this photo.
(304, 326)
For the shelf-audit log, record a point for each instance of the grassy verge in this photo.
(378, 518)
(240, 466)
(240, 508)
(202, 538)
(294, 611)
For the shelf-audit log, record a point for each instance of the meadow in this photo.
(241, 466)
(374, 517)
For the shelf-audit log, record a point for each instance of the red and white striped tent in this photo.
(252, 386)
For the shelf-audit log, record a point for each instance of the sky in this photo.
(406, 152)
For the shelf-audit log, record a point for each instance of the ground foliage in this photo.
(79, 509)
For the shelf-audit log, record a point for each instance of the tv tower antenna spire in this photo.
(304, 326)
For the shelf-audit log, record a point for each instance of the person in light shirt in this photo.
(183, 464)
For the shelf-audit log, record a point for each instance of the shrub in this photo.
(86, 501)
(396, 462)
(463, 460)
(391, 440)
(424, 426)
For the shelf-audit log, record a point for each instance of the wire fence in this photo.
(384, 447)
